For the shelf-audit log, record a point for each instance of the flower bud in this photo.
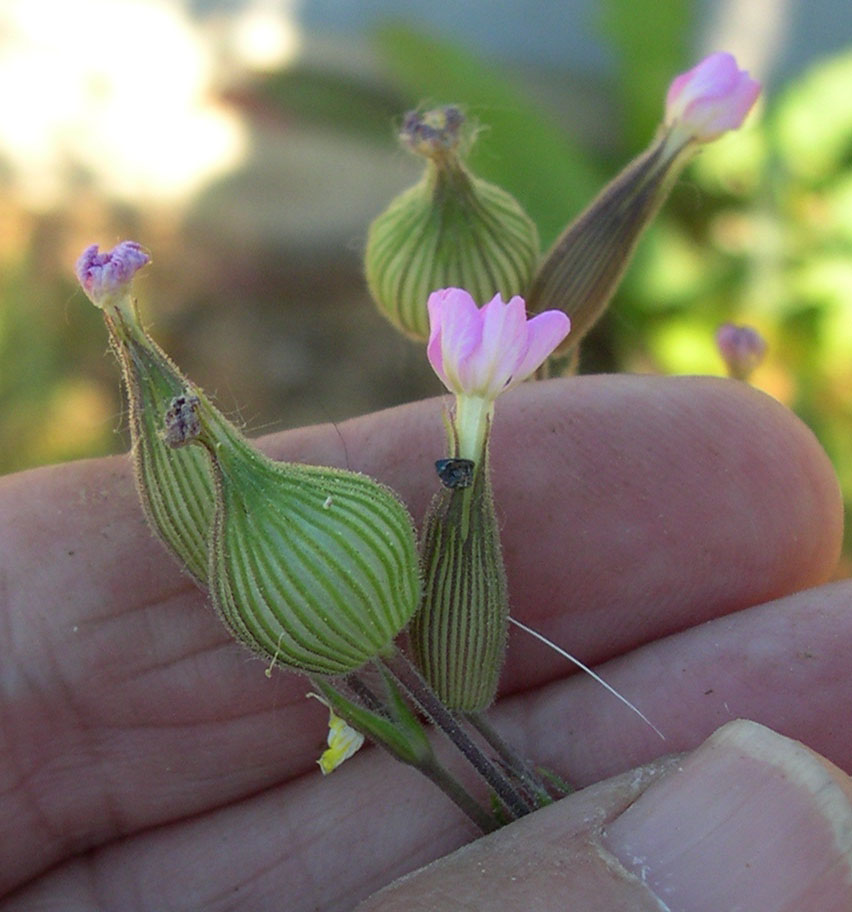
(315, 568)
(175, 487)
(581, 271)
(450, 229)
(710, 99)
(106, 277)
(742, 348)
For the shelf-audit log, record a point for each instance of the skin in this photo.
(677, 533)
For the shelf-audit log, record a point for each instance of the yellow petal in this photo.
(343, 740)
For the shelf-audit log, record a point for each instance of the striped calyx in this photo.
(175, 486)
(449, 229)
(458, 637)
(314, 568)
(581, 272)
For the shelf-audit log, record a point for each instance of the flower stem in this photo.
(454, 790)
(411, 680)
(429, 765)
(513, 761)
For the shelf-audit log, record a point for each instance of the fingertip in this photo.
(778, 453)
(751, 820)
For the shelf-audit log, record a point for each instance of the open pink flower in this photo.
(711, 98)
(105, 275)
(482, 352)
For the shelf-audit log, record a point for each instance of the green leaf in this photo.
(402, 736)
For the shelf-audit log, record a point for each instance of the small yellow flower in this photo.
(343, 740)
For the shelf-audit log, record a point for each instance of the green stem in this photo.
(453, 789)
(514, 762)
(410, 678)
(428, 765)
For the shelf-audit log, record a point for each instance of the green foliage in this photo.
(333, 99)
(647, 57)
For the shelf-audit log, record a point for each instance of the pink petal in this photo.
(455, 331)
(503, 343)
(713, 76)
(544, 332)
(482, 352)
(104, 274)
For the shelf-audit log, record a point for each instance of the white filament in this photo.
(588, 671)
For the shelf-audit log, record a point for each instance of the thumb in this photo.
(750, 820)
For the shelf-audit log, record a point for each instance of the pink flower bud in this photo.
(105, 275)
(742, 348)
(711, 98)
(482, 352)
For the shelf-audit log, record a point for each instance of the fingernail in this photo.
(752, 820)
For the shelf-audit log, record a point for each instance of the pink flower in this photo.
(105, 275)
(483, 352)
(711, 98)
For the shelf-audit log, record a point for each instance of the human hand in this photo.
(147, 763)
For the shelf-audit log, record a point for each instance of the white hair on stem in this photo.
(588, 671)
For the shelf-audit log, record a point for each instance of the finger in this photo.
(784, 664)
(314, 841)
(751, 820)
(115, 659)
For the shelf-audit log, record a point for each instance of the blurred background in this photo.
(248, 143)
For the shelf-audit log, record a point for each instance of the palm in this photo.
(147, 763)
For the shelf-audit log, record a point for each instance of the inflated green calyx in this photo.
(449, 230)
(315, 568)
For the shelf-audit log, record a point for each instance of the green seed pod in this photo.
(449, 230)
(315, 568)
(459, 635)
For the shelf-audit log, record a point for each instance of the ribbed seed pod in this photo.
(450, 229)
(459, 635)
(175, 486)
(314, 568)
